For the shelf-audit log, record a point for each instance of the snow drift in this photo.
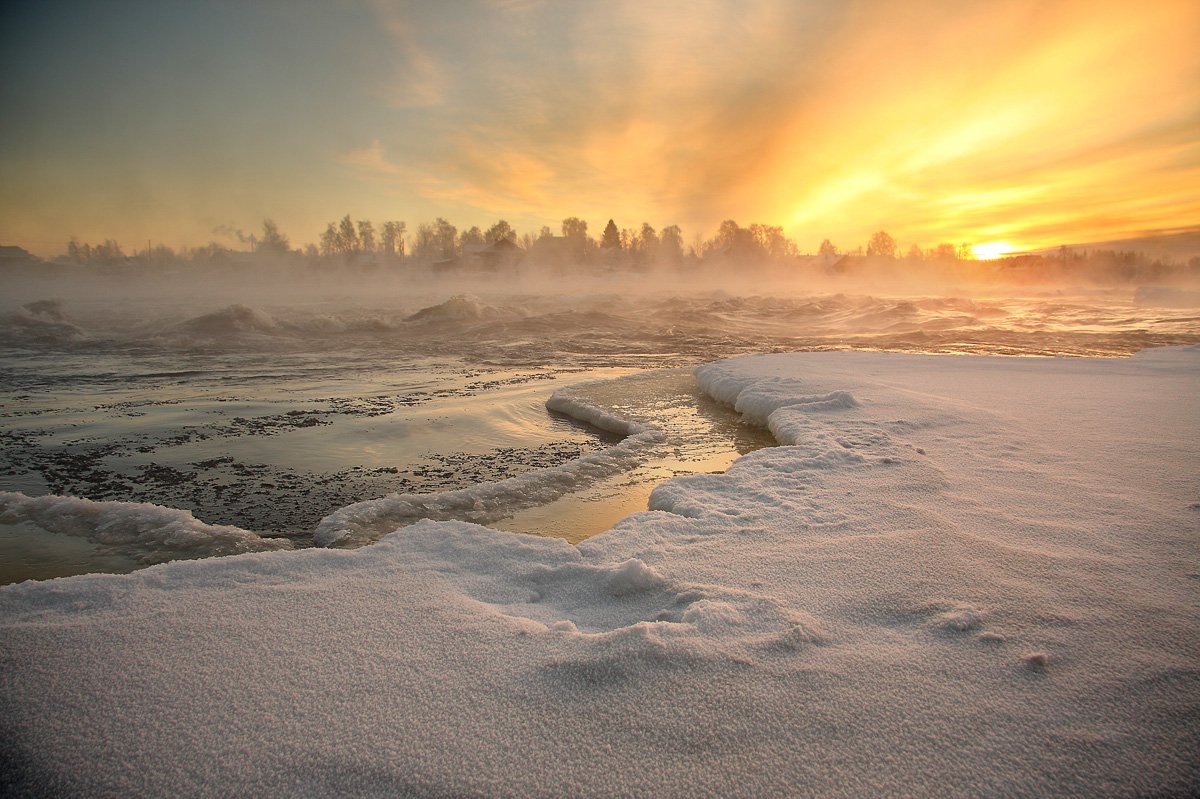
(956, 577)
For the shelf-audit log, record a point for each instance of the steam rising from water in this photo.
(534, 317)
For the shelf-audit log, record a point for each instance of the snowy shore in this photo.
(957, 576)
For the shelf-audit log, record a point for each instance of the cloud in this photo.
(941, 123)
(372, 161)
(420, 78)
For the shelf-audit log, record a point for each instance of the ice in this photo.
(365, 521)
(135, 528)
(956, 576)
(565, 402)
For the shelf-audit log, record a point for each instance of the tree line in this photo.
(439, 240)
(363, 242)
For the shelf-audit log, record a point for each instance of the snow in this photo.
(958, 576)
(363, 521)
(141, 529)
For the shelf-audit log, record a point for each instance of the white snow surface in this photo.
(957, 576)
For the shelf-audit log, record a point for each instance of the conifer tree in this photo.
(611, 239)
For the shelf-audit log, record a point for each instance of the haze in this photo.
(1012, 125)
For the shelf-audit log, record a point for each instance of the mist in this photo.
(635, 291)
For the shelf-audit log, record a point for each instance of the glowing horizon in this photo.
(991, 250)
(1031, 124)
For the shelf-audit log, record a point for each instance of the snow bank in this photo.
(979, 578)
(486, 502)
(141, 530)
(756, 398)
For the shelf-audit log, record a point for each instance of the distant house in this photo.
(490, 257)
(16, 255)
(552, 251)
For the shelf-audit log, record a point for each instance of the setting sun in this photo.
(991, 250)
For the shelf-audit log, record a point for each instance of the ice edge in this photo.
(486, 502)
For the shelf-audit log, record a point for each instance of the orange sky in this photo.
(1032, 123)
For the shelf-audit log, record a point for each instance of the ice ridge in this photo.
(140, 529)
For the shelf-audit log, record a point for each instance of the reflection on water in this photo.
(270, 418)
(27, 552)
(701, 436)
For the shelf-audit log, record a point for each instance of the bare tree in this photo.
(499, 232)
(330, 241)
(881, 244)
(473, 236)
(944, 252)
(347, 236)
(392, 239)
(446, 237)
(727, 235)
(671, 245)
(574, 230)
(771, 240)
(648, 241)
(366, 235)
(272, 240)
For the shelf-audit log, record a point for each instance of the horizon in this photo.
(1176, 246)
(982, 126)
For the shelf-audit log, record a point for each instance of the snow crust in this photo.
(956, 576)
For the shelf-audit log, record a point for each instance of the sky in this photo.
(1029, 123)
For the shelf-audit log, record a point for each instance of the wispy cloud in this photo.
(941, 122)
(372, 161)
(421, 78)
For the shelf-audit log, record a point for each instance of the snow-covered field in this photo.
(956, 576)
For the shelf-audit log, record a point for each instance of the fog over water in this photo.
(268, 399)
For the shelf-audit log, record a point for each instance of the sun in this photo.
(991, 249)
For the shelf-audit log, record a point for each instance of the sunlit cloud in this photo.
(1034, 122)
(372, 161)
(420, 79)
(1031, 121)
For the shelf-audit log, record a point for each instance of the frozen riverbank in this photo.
(957, 576)
(266, 411)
